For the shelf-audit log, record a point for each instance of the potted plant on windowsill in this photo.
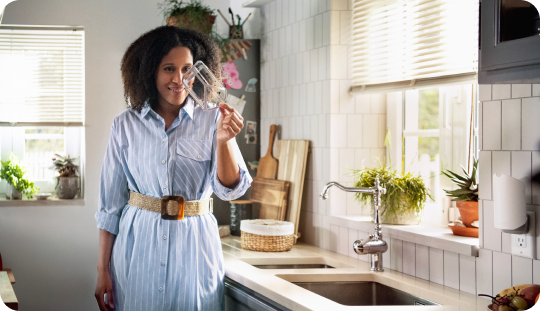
(192, 15)
(67, 185)
(405, 197)
(12, 172)
(466, 197)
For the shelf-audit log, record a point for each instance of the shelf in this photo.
(255, 3)
(35, 202)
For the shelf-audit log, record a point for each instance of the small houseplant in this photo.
(466, 197)
(406, 193)
(191, 15)
(67, 180)
(12, 172)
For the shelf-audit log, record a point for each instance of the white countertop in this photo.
(276, 285)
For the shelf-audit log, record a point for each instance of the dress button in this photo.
(162, 161)
(164, 186)
(164, 237)
(160, 289)
(199, 156)
(163, 263)
(164, 140)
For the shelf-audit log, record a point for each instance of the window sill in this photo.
(433, 236)
(35, 202)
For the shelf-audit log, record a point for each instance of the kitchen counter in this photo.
(276, 285)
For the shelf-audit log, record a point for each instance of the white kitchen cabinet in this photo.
(509, 42)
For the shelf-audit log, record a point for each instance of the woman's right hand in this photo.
(104, 286)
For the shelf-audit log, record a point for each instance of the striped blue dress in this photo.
(161, 264)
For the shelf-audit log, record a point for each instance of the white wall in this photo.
(53, 250)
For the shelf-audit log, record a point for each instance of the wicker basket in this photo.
(276, 237)
(266, 243)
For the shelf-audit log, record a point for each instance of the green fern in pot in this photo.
(406, 193)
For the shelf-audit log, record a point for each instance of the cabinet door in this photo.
(241, 298)
(509, 42)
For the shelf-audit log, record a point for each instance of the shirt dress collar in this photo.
(188, 108)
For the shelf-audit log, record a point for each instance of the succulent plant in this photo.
(468, 184)
(65, 166)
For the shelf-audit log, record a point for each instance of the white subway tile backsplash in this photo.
(396, 255)
(521, 90)
(370, 126)
(302, 32)
(491, 124)
(521, 169)
(522, 270)
(314, 132)
(317, 98)
(506, 243)
(339, 5)
(362, 158)
(285, 7)
(288, 40)
(295, 38)
(387, 256)
(322, 5)
(353, 236)
(338, 130)
(409, 258)
(323, 135)
(363, 103)
(279, 14)
(484, 272)
(467, 274)
(337, 202)
(436, 265)
(501, 91)
(484, 92)
(307, 128)
(381, 130)
(345, 27)
(530, 127)
(484, 175)
(314, 55)
(313, 8)
(318, 32)
(346, 163)
(354, 129)
(451, 269)
(299, 131)
(378, 103)
(500, 162)
(536, 90)
(377, 156)
(492, 235)
(344, 241)
(310, 33)
(334, 96)
(334, 238)
(422, 262)
(322, 63)
(511, 124)
(346, 101)
(502, 271)
(326, 31)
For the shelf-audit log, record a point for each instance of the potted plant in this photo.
(67, 180)
(466, 197)
(192, 15)
(12, 172)
(406, 193)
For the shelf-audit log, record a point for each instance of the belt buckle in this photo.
(165, 201)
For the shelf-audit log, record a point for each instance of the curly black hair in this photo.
(142, 58)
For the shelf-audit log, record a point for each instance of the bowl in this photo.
(464, 231)
(43, 196)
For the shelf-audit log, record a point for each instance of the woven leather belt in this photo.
(171, 207)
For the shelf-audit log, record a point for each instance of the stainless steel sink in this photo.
(294, 266)
(364, 294)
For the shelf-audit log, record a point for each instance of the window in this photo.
(433, 131)
(41, 97)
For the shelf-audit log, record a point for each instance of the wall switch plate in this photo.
(524, 244)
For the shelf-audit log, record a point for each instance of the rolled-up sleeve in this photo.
(223, 192)
(113, 188)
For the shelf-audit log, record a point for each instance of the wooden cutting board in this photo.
(268, 165)
(270, 197)
(292, 157)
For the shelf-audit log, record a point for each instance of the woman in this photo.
(164, 145)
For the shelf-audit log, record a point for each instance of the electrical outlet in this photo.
(524, 244)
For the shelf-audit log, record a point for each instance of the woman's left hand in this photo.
(230, 123)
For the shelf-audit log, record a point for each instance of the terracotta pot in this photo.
(468, 211)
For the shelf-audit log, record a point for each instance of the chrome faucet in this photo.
(374, 245)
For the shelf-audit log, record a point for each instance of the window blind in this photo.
(404, 44)
(41, 75)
